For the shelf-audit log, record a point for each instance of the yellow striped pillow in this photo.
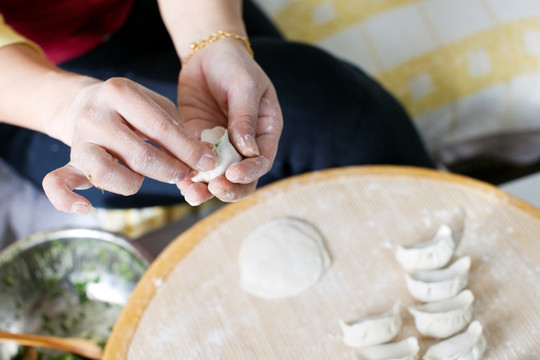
(464, 69)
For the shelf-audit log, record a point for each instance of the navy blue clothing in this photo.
(334, 114)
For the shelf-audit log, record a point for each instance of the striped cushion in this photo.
(464, 69)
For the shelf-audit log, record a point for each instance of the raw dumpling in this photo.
(444, 318)
(434, 285)
(224, 151)
(282, 258)
(373, 330)
(432, 254)
(469, 345)
(402, 350)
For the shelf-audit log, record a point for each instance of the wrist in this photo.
(190, 21)
(216, 36)
(34, 92)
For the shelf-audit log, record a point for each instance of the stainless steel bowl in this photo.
(67, 282)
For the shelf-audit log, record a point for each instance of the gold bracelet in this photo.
(213, 38)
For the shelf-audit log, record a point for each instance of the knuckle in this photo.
(132, 187)
(117, 181)
(177, 174)
(116, 83)
(264, 164)
(99, 175)
(246, 121)
(103, 171)
(245, 83)
(115, 86)
(142, 157)
(51, 181)
(159, 125)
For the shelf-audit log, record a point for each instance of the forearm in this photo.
(35, 93)
(189, 21)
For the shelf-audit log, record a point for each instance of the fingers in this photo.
(231, 90)
(226, 191)
(255, 119)
(194, 193)
(248, 170)
(154, 118)
(113, 122)
(59, 185)
(100, 170)
(243, 117)
(103, 170)
(255, 124)
(269, 124)
(169, 134)
(230, 192)
(120, 143)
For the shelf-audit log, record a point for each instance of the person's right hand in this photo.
(109, 126)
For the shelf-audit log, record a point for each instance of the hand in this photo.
(108, 128)
(222, 85)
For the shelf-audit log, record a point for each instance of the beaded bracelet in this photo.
(213, 38)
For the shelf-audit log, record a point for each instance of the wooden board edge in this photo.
(118, 345)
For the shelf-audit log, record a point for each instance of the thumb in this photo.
(243, 118)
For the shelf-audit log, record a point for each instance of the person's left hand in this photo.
(222, 85)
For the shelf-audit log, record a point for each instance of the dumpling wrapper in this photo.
(282, 258)
(224, 151)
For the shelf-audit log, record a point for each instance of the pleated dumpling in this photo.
(434, 285)
(428, 255)
(373, 330)
(468, 345)
(444, 318)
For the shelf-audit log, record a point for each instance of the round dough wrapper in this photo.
(282, 258)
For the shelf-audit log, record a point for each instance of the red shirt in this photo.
(65, 29)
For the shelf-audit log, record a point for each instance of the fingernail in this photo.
(206, 162)
(251, 144)
(225, 195)
(192, 174)
(81, 208)
(236, 178)
(193, 203)
(210, 145)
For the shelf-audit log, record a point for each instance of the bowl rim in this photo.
(45, 236)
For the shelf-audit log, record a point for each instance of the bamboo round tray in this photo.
(189, 304)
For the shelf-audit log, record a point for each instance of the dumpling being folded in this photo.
(224, 151)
